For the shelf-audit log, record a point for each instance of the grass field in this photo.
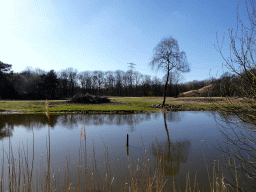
(117, 105)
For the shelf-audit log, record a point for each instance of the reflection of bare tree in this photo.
(7, 122)
(128, 119)
(110, 120)
(174, 116)
(69, 121)
(238, 150)
(235, 119)
(98, 120)
(148, 116)
(172, 153)
(156, 115)
(131, 120)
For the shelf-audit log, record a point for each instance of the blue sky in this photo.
(108, 34)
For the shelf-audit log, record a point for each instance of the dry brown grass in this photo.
(200, 92)
(19, 175)
(182, 100)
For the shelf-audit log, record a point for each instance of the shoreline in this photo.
(118, 105)
(120, 112)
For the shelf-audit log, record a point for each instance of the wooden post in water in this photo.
(127, 145)
(127, 150)
(127, 140)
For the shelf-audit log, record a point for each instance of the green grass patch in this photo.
(117, 104)
(12, 105)
(98, 107)
(125, 104)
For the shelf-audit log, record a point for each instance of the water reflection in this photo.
(30, 122)
(5, 132)
(172, 117)
(178, 144)
(239, 149)
(98, 120)
(7, 122)
(171, 153)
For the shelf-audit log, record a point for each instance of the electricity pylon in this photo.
(131, 66)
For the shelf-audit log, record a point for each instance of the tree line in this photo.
(39, 84)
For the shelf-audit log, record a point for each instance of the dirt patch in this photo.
(203, 92)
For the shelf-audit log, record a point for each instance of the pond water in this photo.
(186, 140)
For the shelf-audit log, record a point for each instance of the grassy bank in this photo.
(117, 105)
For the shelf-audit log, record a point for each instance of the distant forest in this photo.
(33, 84)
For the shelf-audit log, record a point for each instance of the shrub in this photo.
(87, 98)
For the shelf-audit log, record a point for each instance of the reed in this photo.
(19, 174)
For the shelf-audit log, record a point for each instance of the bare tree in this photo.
(72, 77)
(167, 56)
(63, 76)
(156, 86)
(28, 71)
(39, 72)
(129, 78)
(88, 84)
(109, 83)
(119, 82)
(82, 79)
(226, 87)
(94, 81)
(137, 79)
(242, 62)
(98, 79)
(101, 79)
(177, 77)
(242, 59)
(146, 85)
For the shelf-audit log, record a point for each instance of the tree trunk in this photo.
(165, 87)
